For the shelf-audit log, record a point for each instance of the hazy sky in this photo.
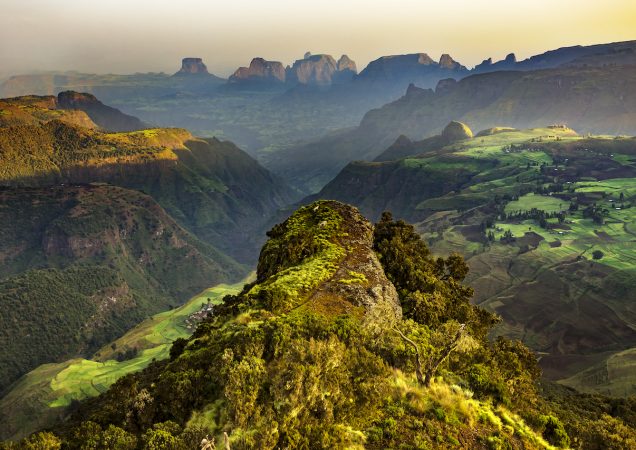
(126, 36)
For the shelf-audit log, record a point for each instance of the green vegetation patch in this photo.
(309, 241)
(533, 201)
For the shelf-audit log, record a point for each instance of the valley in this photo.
(44, 395)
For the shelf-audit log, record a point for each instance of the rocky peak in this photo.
(314, 70)
(192, 66)
(484, 65)
(456, 131)
(511, 58)
(322, 259)
(346, 63)
(413, 90)
(447, 62)
(260, 70)
(424, 59)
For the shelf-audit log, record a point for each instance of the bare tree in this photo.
(424, 377)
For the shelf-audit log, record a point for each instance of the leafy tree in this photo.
(430, 289)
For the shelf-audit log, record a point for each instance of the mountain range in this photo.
(320, 94)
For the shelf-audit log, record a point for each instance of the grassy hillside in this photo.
(210, 187)
(79, 265)
(43, 395)
(544, 218)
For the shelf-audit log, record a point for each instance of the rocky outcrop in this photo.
(447, 62)
(322, 259)
(346, 63)
(345, 70)
(106, 117)
(260, 71)
(192, 66)
(315, 70)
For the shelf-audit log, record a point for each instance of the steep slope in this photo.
(350, 337)
(108, 118)
(588, 99)
(530, 210)
(79, 265)
(211, 187)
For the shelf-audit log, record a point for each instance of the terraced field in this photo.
(565, 284)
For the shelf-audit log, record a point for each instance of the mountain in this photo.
(622, 53)
(210, 187)
(320, 96)
(417, 68)
(112, 226)
(352, 336)
(596, 100)
(321, 70)
(260, 72)
(79, 265)
(192, 66)
(543, 218)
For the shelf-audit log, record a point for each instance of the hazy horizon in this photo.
(153, 36)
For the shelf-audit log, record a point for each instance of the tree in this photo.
(42, 441)
(597, 254)
(430, 289)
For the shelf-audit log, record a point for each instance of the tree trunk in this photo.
(418, 362)
(434, 364)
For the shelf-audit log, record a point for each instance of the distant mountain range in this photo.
(595, 99)
(269, 106)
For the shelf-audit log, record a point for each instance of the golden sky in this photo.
(127, 36)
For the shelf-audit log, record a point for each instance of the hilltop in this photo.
(70, 107)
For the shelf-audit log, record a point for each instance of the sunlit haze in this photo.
(127, 36)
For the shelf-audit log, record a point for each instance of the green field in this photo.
(541, 202)
(39, 396)
(153, 337)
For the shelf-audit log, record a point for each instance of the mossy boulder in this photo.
(456, 131)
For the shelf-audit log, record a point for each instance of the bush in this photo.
(597, 254)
